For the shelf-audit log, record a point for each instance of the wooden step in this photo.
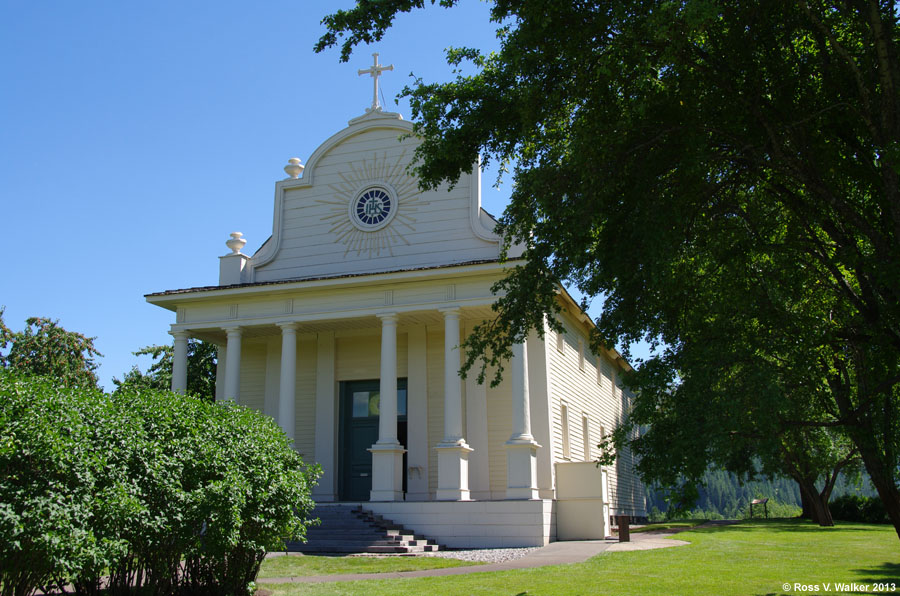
(350, 529)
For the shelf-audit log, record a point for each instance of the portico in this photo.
(429, 342)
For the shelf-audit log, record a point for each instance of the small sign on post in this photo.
(759, 502)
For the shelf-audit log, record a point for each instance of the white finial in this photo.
(375, 71)
(236, 243)
(294, 168)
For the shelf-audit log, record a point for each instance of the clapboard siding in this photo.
(630, 495)
(440, 254)
(358, 357)
(431, 228)
(429, 238)
(253, 375)
(305, 399)
(499, 412)
(317, 203)
(595, 394)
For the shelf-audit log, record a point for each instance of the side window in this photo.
(566, 446)
(586, 436)
(600, 434)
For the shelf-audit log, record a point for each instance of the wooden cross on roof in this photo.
(375, 71)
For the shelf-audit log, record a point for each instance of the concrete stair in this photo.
(352, 529)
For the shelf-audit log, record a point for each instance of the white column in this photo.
(387, 453)
(453, 453)
(179, 361)
(539, 389)
(453, 434)
(233, 363)
(221, 356)
(387, 418)
(521, 407)
(417, 415)
(288, 379)
(521, 448)
(272, 378)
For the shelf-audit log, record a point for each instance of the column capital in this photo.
(229, 329)
(287, 325)
(388, 317)
(450, 311)
(180, 333)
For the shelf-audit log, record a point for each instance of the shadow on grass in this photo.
(883, 573)
(785, 525)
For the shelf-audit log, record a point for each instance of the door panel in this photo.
(360, 409)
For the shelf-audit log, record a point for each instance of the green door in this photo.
(360, 407)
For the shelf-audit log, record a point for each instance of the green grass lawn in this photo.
(297, 566)
(756, 557)
(682, 524)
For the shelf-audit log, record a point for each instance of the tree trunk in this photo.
(883, 482)
(807, 512)
(875, 448)
(820, 513)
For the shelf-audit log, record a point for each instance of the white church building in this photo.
(345, 327)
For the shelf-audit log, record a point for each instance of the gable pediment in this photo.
(358, 209)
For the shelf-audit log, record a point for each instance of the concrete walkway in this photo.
(555, 553)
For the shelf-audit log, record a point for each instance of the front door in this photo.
(360, 408)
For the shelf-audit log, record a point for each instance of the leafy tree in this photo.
(750, 149)
(721, 396)
(201, 370)
(45, 348)
(728, 496)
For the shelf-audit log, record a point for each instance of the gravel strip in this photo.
(485, 555)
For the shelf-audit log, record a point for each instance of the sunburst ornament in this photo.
(372, 204)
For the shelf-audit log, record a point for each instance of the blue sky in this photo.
(134, 137)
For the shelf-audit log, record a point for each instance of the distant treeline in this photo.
(723, 496)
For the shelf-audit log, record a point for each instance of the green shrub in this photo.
(149, 488)
(857, 508)
(775, 510)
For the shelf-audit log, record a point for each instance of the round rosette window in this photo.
(373, 208)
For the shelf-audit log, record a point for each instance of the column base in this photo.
(453, 471)
(387, 472)
(521, 469)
